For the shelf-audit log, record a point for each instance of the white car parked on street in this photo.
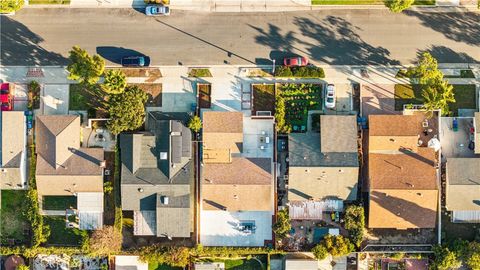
(330, 96)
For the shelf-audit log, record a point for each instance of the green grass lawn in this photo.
(199, 72)
(365, 2)
(156, 266)
(264, 97)
(12, 220)
(49, 2)
(60, 234)
(78, 98)
(412, 94)
(59, 202)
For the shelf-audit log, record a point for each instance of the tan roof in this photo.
(83, 161)
(217, 156)
(13, 138)
(338, 133)
(56, 135)
(225, 141)
(463, 184)
(244, 184)
(377, 144)
(237, 197)
(395, 125)
(222, 122)
(242, 171)
(403, 209)
(59, 185)
(407, 171)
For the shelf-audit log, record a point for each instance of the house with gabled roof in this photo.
(323, 168)
(402, 173)
(463, 189)
(237, 184)
(157, 176)
(13, 148)
(64, 168)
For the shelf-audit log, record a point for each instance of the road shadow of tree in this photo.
(20, 46)
(459, 26)
(115, 54)
(337, 43)
(447, 55)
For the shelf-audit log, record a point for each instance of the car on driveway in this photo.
(133, 61)
(157, 10)
(6, 97)
(330, 96)
(297, 61)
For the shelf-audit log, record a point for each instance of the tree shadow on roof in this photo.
(20, 46)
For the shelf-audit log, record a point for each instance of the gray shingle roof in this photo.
(338, 133)
(174, 218)
(463, 171)
(304, 151)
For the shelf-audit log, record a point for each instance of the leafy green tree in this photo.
(320, 252)
(427, 70)
(355, 223)
(83, 67)
(115, 81)
(398, 5)
(445, 259)
(127, 110)
(282, 227)
(7, 6)
(337, 245)
(437, 97)
(104, 242)
(473, 258)
(195, 124)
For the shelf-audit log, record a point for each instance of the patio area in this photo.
(258, 137)
(457, 140)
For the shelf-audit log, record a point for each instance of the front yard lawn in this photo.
(59, 202)
(13, 224)
(412, 94)
(255, 263)
(49, 2)
(263, 98)
(78, 98)
(199, 72)
(60, 234)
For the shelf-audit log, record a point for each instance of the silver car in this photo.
(330, 96)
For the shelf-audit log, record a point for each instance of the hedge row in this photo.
(300, 72)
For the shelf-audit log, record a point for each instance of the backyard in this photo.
(412, 94)
(298, 99)
(263, 98)
(13, 224)
(59, 202)
(60, 234)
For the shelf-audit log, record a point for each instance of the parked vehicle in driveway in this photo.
(133, 61)
(330, 96)
(6, 97)
(157, 10)
(297, 61)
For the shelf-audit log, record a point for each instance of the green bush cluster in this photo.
(280, 111)
(282, 227)
(33, 95)
(355, 223)
(335, 245)
(300, 72)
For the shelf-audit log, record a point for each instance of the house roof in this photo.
(244, 184)
(222, 122)
(13, 138)
(406, 171)
(304, 151)
(83, 161)
(174, 217)
(338, 133)
(463, 184)
(395, 125)
(402, 209)
(56, 136)
(477, 132)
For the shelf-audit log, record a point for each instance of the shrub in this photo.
(300, 72)
(115, 81)
(7, 6)
(195, 124)
(355, 223)
(283, 71)
(337, 245)
(33, 95)
(282, 227)
(320, 252)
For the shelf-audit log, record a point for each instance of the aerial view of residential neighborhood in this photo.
(240, 135)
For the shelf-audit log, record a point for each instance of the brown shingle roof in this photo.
(395, 125)
(237, 197)
(223, 122)
(242, 171)
(408, 170)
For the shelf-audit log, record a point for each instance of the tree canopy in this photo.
(355, 223)
(7, 6)
(282, 227)
(195, 124)
(320, 252)
(335, 245)
(473, 258)
(127, 110)
(83, 67)
(115, 81)
(445, 259)
(398, 5)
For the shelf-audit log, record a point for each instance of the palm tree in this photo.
(438, 96)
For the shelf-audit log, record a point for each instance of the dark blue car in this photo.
(133, 61)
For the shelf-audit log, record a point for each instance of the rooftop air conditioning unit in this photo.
(164, 200)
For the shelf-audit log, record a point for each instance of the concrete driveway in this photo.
(378, 99)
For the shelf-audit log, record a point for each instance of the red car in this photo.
(297, 61)
(6, 97)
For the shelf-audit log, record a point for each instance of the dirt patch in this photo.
(154, 91)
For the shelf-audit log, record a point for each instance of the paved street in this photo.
(336, 37)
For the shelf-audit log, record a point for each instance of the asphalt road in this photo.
(337, 37)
